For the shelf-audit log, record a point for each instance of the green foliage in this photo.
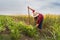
(18, 26)
(7, 22)
(27, 29)
(52, 25)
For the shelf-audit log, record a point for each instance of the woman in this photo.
(38, 18)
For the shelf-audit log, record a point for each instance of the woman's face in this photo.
(35, 18)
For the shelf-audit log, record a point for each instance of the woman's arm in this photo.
(30, 8)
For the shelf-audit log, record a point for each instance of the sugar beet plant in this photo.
(2, 20)
(51, 28)
(16, 28)
(7, 23)
(14, 31)
(27, 29)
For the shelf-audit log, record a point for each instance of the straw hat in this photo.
(35, 14)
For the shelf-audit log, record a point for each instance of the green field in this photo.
(18, 28)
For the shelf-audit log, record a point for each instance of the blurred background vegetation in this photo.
(18, 28)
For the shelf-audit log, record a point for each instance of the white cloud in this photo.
(20, 6)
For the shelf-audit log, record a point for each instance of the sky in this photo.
(20, 6)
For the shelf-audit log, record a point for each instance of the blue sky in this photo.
(20, 6)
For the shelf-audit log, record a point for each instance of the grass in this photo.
(14, 27)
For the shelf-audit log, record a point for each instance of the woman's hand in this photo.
(30, 8)
(37, 25)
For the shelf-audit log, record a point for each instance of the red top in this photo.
(40, 17)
